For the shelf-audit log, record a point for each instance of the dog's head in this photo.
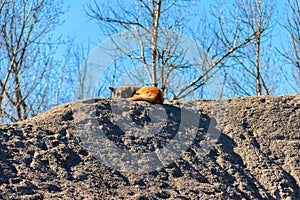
(124, 91)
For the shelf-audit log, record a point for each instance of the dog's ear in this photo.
(111, 89)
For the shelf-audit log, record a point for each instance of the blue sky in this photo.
(77, 24)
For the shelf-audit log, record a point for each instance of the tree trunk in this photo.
(155, 25)
(257, 54)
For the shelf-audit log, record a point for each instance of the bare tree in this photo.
(233, 30)
(25, 54)
(291, 52)
(79, 55)
(250, 67)
(159, 27)
(149, 23)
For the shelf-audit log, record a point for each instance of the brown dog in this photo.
(148, 93)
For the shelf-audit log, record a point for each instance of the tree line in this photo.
(225, 52)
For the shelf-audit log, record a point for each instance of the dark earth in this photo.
(241, 148)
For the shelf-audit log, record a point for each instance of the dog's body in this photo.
(148, 93)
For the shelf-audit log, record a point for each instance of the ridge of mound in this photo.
(256, 153)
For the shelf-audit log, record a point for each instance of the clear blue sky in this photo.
(77, 24)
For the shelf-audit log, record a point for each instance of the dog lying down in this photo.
(147, 93)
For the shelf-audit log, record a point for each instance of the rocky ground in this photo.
(242, 148)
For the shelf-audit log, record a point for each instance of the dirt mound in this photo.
(243, 148)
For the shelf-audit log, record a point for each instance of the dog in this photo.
(150, 94)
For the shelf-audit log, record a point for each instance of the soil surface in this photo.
(242, 148)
